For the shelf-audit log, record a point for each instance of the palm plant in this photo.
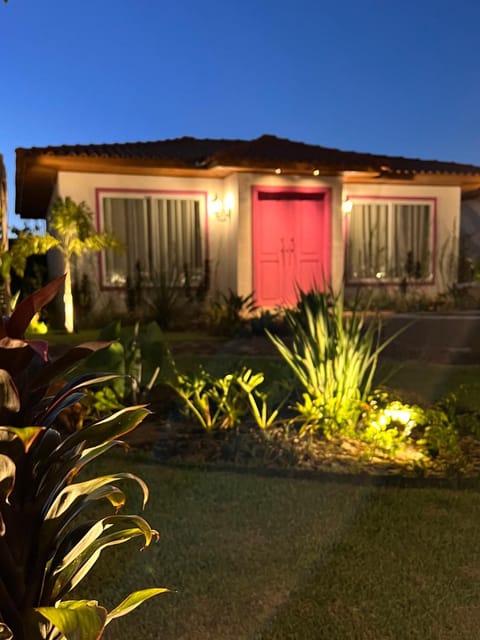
(72, 224)
(46, 545)
(13, 257)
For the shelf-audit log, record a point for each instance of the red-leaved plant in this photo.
(45, 548)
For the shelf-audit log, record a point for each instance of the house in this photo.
(267, 214)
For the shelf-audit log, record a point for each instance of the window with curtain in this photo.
(162, 236)
(390, 241)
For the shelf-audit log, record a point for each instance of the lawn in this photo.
(272, 557)
(419, 381)
(423, 381)
(255, 557)
(426, 381)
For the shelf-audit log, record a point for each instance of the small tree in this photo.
(72, 224)
(14, 258)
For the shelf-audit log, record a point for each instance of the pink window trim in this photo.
(99, 191)
(389, 283)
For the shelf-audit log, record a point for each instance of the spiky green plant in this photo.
(334, 356)
(47, 546)
(215, 403)
(258, 400)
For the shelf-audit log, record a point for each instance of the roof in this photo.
(37, 167)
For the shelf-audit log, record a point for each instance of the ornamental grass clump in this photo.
(333, 356)
(47, 545)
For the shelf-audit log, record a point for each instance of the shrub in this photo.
(216, 403)
(440, 439)
(136, 355)
(389, 425)
(333, 357)
(46, 544)
(462, 408)
(230, 313)
(221, 402)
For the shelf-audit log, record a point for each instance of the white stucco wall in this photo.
(230, 239)
(470, 228)
(83, 187)
(223, 239)
(447, 223)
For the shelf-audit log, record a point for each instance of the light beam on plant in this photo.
(72, 224)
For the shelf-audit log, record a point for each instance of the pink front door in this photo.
(291, 243)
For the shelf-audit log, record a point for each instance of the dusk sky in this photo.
(399, 78)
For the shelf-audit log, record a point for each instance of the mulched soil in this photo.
(179, 442)
(247, 449)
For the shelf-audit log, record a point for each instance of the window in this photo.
(162, 235)
(390, 241)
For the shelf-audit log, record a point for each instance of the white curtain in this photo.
(389, 241)
(162, 236)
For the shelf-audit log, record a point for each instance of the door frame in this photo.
(326, 197)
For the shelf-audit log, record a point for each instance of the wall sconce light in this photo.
(347, 205)
(222, 210)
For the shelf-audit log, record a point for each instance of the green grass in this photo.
(270, 558)
(60, 336)
(422, 382)
(427, 381)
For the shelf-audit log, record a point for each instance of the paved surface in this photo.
(434, 337)
(451, 339)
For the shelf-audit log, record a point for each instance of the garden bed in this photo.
(182, 443)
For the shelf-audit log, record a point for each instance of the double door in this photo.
(291, 243)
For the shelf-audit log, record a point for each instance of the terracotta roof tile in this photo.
(184, 150)
(266, 150)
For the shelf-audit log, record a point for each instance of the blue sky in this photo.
(400, 78)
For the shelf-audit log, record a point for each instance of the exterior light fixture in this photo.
(278, 171)
(347, 205)
(316, 172)
(221, 210)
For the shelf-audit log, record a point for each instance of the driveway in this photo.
(450, 338)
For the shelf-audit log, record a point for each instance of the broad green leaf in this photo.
(94, 452)
(65, 362)
(87, 488)
(111, 331)
(48, 418)
(132, 601)
(32, 304)
(120, 523)
(81, 558)
(70, 503)
(108, 429)
(111, 359)
(7, 476)
(27, 435)
(77, 620)
(9, 399)
(76, 389)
